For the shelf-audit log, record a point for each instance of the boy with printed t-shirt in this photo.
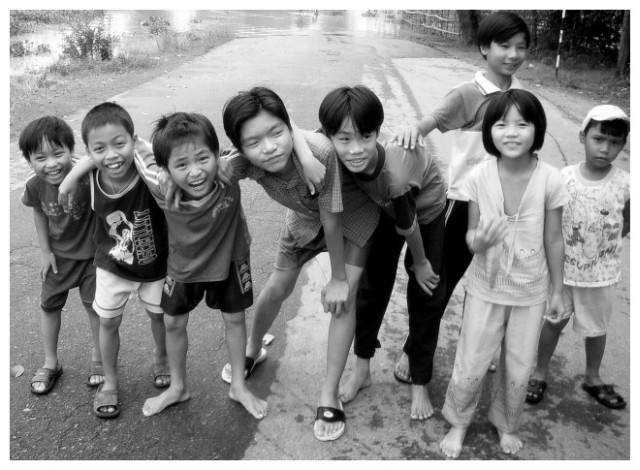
(594, 222)
(65, 240)
(131, 242)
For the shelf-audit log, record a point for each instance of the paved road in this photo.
(410, 79)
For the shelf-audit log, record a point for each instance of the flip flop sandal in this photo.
(161, 370)
(249, 366)
(605, 395)
(401, 377)
(95, 369)
(329, 415)
(535, 391)
(103, 400)
(47, 376)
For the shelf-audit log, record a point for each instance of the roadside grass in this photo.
(135, 54)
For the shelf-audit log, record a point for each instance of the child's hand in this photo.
(555, 309)
(426, 278)
(334, 296)
(225, 172)
(314, 173)
(168, 187)
(488, 233)
(409, 137)
(48, 261)
(67, 192)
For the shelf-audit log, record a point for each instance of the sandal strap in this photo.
(329, 414)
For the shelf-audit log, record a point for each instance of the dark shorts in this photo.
(72, 273)
(234, 294)
(290, 255)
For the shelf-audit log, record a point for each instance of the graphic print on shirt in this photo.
(121, 230)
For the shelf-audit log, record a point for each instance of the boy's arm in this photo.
(554, 247)
(407, 225)
(626, 218)
(314, 171)
(413, 135)
(335, 294)
(69, 184)
(48, 259)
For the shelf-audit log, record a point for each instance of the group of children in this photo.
(167, 222)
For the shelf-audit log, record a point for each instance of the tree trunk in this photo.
(624, 47)
(468, 21)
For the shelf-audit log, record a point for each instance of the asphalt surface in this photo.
(410, 79)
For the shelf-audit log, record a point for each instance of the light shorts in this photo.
(290, 255)
(113, 291)
(591, 308)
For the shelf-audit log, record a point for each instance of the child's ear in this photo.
(582, 137)
(135, 139)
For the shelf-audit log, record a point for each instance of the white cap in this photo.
(605, 112)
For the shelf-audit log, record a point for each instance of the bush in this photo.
(88, 42)
(157, 25)
(24, 48)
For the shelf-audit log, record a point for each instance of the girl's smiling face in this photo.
(512, 135)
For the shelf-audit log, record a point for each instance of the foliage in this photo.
(26, 47)
(86, 41)
(25, 21)
(157, 25)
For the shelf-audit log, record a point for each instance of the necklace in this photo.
(122, 188)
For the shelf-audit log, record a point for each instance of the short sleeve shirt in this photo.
(338, 194)
(205, 235)
(592, 227)
(514, 271)
(70, 234)
(405, 173)
(462, 112)
(131, 232)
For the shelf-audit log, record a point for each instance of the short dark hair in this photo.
(173, 129)
(51, 129)
(501, 26)
(103, 114)
(358, 103)
(527, 105)
(248, 104)
(615, 128)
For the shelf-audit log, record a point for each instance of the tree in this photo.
(468, 21)
(624, 47)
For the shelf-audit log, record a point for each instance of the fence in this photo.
(442, 22)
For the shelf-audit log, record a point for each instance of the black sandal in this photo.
(535, 391)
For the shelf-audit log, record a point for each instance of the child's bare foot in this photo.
(171, 396)
(360, 378)
(401, 369)
(255, 406)
(421, 407)
(509, 443)
(451, 445)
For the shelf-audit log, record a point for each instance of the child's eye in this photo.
(204, 159)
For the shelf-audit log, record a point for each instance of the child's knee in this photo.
(175, 323)
(110, 324)
(276, 292)
(236, 320)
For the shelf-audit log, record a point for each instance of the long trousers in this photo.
(485, 326)
(425, 311)
(456, 253)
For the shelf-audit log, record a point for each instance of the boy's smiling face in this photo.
(267, 142)
(504, 58)
(193, 167)
(112, 148)
(357, 151)
(51, 163)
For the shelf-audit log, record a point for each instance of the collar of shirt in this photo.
(487, 87)
(257, 173)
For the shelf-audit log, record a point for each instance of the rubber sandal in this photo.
(329, 415)
(161, 370)
(605, 395)
(399, 376)
(47, 376)
(95, 369)
(249, 366)
(104, 399)
(535, 391)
